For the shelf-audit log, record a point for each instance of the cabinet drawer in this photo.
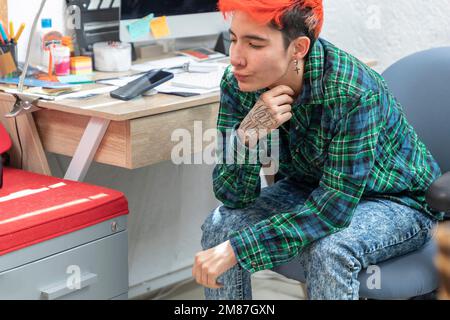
(96, 270)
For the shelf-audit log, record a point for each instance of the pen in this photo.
(4, 32)
(3, 36)
(50, 64)
(19, 32)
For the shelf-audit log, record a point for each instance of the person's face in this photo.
(258, 54)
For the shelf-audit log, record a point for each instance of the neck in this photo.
(293, 80)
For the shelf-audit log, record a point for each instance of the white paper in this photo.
(168, 88)
(162, 64)
(87, 93)
(72, 95)
(120, 82)
(206, 81)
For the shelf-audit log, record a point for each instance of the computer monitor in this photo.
(186, 18)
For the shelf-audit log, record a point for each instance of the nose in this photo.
(237, 58)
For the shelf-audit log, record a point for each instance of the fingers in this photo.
(280, 100)
(203, 274)
(212, 282)
(204, 277)
(279, 90)
(284, 108)
(284, 117)
(275, 105)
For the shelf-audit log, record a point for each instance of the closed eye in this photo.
(255, 46)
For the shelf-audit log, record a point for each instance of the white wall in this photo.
(385, 30)
(25, 10)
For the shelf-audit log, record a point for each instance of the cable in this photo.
(24, 73)
(27, 59)
(20, 143)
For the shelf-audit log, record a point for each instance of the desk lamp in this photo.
(24, 102)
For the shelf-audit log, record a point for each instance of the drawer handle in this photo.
(61, 289)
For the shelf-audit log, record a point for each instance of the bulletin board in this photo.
(4, 10)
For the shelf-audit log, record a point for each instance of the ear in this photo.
(301, 47)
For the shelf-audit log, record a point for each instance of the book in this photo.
(201, 54)
(32, 82)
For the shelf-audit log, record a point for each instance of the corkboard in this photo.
(4, 10)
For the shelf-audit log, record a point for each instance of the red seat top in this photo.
(35, 208)
(5, 140)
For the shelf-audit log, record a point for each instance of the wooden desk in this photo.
(130, 134)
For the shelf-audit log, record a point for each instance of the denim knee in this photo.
(333, 255)
(215, 229)
(332, 269)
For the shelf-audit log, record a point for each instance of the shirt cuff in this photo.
(249, 250)
(242, 154)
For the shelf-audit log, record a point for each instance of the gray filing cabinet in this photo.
(90, 263)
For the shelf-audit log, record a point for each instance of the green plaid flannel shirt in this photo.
(348, 139)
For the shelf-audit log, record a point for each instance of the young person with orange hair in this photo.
(350, 190)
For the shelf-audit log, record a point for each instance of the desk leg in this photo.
(33, 157)
(87, 148)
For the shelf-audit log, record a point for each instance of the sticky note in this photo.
(76, 79)
(140, 28)
(159, 27)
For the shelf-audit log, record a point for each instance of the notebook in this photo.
(205, 81)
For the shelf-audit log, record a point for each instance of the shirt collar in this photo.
(312, 91)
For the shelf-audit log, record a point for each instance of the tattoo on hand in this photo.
(258, 118)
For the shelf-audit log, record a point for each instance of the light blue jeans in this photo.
(380, 229)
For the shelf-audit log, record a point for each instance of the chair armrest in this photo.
(438, 194)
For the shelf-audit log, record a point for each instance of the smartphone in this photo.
(143, 84)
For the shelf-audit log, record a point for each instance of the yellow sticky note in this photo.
(159, 27)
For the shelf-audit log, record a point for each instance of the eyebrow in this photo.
(250, 36)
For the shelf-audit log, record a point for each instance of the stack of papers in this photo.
(52, 95)
(162, 64)
(183, 82)
(205, 81)
(121, 81)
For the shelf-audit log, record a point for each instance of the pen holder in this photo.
(11, 48)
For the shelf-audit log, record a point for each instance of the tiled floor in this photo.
(266, 285)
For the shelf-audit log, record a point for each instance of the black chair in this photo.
(421, 84)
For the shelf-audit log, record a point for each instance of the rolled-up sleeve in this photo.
(330, 207)
(236, 180)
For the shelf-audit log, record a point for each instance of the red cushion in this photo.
(5, 140)
(35, 208)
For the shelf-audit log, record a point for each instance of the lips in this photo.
(241, 77)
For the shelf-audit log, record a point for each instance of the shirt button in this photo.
(253, 264)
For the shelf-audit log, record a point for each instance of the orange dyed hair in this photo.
(273, 11)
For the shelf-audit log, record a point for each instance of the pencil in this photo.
(11, 30)
(19, 32)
